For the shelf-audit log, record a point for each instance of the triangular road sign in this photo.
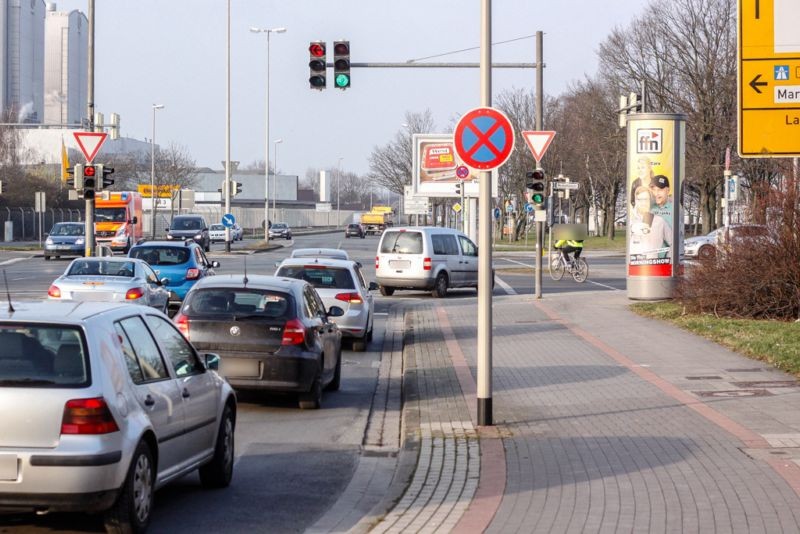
(538, 142)
(90, 143)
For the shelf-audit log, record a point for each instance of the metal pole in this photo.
(539, 121)
(226, 190)
(485, 238)
(275, 177)
(338, 188)
(89, 249)
(266, 162)
(153, 196)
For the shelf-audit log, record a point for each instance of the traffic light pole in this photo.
(89, 207)
(227, 187)
(539, 125)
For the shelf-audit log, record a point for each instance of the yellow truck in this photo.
(376, 221)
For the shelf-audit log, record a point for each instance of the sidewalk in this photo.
(608, 422)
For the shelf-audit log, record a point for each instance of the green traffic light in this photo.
(342, 80)
(537, 198)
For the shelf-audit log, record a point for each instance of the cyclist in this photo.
(570, 245)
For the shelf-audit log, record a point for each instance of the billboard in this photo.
(437, 168)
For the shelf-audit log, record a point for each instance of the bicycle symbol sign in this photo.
(484, 138)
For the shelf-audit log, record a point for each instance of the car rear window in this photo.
(35, 356)
(125, 269)
(402, 243)
(162, 255)
(186, 223)
(319, 276)
(353, 226)
(239, 302)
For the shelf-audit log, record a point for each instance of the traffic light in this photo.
(75, 180)
(316, 64)
(236, 188)
(458, 188)
(536, 184)
(89, 181)
(341, 64)
(107, 182)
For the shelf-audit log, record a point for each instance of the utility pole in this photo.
(539, 126)
(226, 189)
(89, 202)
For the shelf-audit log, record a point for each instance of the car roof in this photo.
(256, 281)
(188, 216)
(334, 253)
(323, 261)
(171, 244)
(423, 229)
(49, 311)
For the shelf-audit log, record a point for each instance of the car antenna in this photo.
(8, 293)
(244, 280)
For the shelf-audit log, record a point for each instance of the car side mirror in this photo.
(135, 220)
(335, 311)
(212, 361)
(373, 286)
(164, 281)
(215, 264)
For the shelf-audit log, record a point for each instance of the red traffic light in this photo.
(88, 170)
(317, 49)
(341, 49)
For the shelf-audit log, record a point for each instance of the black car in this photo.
(272, 333)
(185, 227)
(354, 230)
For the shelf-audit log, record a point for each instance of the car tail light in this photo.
(294, 333)
(54, 292)
(135, 293)
(182, 322)
(377, 261)
(352, 298)
(426, 264)
(87, 416)
(192, 274)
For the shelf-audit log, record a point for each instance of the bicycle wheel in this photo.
(581, 270)
(556, 267)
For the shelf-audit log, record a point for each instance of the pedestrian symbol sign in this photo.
(484, 138)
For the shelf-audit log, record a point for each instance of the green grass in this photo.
(774, 342)
(591, 243)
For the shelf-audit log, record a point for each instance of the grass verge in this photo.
(590, 243)
(774, 342)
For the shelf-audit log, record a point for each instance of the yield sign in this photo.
(538, 142)
(90, 143)
(484, 138)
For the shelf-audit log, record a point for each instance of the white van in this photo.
(425, 258)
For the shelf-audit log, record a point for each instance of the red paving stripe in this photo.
(492, 482)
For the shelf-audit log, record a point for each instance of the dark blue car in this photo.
(65, 239)
(179, 265)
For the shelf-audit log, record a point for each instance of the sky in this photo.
(174, 53)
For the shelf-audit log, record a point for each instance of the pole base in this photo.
(485, 412)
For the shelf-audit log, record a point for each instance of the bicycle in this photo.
(578, 268)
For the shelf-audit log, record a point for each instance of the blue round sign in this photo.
(528, 207)
(497, 213)
(228, 220)
(484, 138)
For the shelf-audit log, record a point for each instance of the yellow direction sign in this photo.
(769, 78)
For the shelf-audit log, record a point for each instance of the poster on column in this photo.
(651, 197)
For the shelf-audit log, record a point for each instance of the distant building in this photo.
(65, 66)
(22, 56)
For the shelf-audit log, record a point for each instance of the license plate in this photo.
(8, 467)
(240, 367)
(399, 264)
(64, 247)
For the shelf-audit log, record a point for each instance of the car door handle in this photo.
(186, 393)
(149, 401)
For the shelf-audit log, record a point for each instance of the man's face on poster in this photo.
(660, 194)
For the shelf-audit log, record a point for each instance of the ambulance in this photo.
(118, 220)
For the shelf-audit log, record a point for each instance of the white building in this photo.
(65, 66)
(22, 56)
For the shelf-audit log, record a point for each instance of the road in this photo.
(291, 465)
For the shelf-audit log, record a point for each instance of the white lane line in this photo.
(603, 285)
(520, 263)
(12, 261)
(381, 313)
(507, 288)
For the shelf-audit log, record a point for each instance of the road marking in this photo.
(520, 263)
(381, 313)
(12, 261)
(507, 288)
(603, 285)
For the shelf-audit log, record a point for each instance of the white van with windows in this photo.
(429, 258)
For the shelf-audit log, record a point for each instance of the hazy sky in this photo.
(173, 52)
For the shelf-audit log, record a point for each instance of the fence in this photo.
(26, 220)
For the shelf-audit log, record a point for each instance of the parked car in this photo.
(355, 230)
(273, 334)
(104, 279)
(65, 239)
(179, 265)
(216, 232)
(339, 282)
(701, 247)
(430, 258)
(102, 404)
(194, 227)
(280, 229)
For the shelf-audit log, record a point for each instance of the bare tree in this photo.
(390, 165)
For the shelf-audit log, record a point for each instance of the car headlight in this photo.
(170, 236)
(199, 236)
(80, 241)
(48, 241)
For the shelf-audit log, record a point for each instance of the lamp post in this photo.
(338, 181)
(275, 176)
(267, 31)
(153, 197)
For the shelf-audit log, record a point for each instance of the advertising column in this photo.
(656, 148)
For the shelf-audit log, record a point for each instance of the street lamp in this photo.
(338, 180)
(268, 31)
(275, 176)
(153, 174)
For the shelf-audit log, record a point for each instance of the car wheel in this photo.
(219, 471)
(312, 400)
(127, 247)
(360, 345)
(337, 376)
(131, 511)
(207, 247)
(46, 257)
(387, 291)
(363, 236)
(346, 236)
(706, 252)
(440, 286)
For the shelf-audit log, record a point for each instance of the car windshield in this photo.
(34, 355)
(402, 243)
(110, 215)
(162, 255)
(67, 229)
(187, 224)
(217, 228)
(90, 266)
(319, 276)
(240, 302)
(279, 226)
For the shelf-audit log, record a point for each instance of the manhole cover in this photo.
(703, 378)
(767, 384)
(734, 393)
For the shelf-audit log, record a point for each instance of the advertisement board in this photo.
(438, 169)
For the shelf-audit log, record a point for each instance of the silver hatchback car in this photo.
(101, 405)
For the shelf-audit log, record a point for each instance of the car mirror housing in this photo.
(335, 311)
(212, 361)
(135, 220)
(164, 281)
(215, 264)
